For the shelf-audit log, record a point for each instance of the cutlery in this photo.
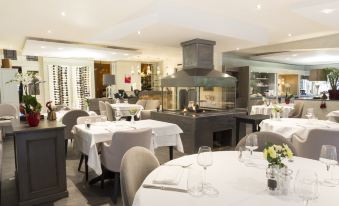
(178, 165)
(163, 188)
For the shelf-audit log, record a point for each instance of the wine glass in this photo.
(268, 102)
(328, 156)
(205, 159)
(306, 186)
(117, 115)
(251, 144)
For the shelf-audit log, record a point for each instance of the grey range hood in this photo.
(198, 69)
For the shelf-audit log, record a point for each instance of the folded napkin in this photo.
(168, 175)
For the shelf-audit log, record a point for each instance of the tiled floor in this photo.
(80, 193)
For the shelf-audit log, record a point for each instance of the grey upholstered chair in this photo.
(83, 120)
(136, 164)
(111, 154)
(311, 146)
(148, 105)
(271, 137)
(8, 110)
(109, 112)
(69, 120)
(102, 108)
(298, 110)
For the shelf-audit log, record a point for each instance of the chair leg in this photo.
(81, 160)
(66, 146)
(116, 187)
(86, 167)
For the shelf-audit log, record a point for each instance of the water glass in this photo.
(117, 115)
(251, 144)
(306, 186)
(194, 182)
(328, 156)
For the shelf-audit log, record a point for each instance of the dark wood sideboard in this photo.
(40, 162)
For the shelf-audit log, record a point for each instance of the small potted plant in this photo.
(276, 111)
(333, 78)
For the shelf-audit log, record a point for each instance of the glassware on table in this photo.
(195, 182)
(205, 159)
(87, 123)
(268, 102)
(306, 185)
(117, 115)
(328, 156)
(133, 112)
(251, 144)
(241, 153)
(310, 113)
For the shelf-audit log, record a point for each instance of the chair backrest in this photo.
(311, 146)
(136, 165)
(142, 102)
(298, 110)
(70, 119)
(265, 137)
(152, 104)
(102, 108)
(121, 142)
(8, 110)
(109, 111)
(91, 119)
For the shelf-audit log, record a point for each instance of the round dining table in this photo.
(238, 184)
(267, 110)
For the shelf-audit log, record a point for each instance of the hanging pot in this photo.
(33, 118)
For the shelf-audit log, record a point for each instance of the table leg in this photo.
(237, 131)
(170, 152)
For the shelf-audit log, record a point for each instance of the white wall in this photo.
(124, 68)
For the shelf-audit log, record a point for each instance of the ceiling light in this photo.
(139, 32)
(63, 13)
(289, 34)
(237, 49)
(49, 31)
(258, 6)
(126, 54)
(327, 11)
(42, 47)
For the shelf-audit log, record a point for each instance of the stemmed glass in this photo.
(251, 144)
(117, 115)
(306, 186)
(205, 159)
(328, 156)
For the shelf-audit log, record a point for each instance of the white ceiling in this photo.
(163, 24)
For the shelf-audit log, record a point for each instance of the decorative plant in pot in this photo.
(29, 105)
(333, 78)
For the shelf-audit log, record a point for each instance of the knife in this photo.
(163, 188)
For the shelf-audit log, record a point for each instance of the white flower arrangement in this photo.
(277, 109)
(274, 154)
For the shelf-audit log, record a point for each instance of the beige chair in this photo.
(102, 108)
(83, 120)
(136, 164)
(265, 137)
(149, 106)
(111, 154)
(69, 120)
(298, 110)
(109, 112)
(8, 110)
(311, 146)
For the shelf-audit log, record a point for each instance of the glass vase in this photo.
(272, 174)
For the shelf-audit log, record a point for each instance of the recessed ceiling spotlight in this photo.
(42, 47)
(126, 54)
(258, 6)
(63, 13)
(49, 31)
(327, 11)
(289, 34)
(139, 32)
(237, 49)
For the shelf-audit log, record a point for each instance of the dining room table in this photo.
(333, 116)
(236, 183)
(267, 109)
(287, 127)
(87, 140)
(125, 108)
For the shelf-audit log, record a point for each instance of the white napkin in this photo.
(168, 175)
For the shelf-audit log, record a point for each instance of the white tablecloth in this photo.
(238, 185)
(124, 108)
(164, 134)
(267, 110)
(301, 127)
(333, 116)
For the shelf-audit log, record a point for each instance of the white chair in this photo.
(111, 154)
(298, 110)
(109, 112)
(310, 146)
(102, 108)
(149, 106)
(136, 164)
(83, 120)
(10, 111)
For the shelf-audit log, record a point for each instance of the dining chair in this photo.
(136, 165)
(69, 120)
(268, 137)
(7, 110)
(84, 156)
(102, 108)
(112, 153)
(109, 112)
(310, 146)
(298, 110)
